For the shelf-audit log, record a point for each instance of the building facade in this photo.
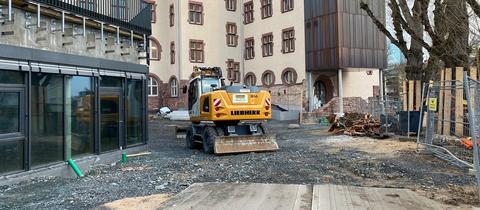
(73, 80)
(345, 52)
(305, 52)
(254, 42)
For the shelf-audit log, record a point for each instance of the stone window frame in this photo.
(232, 37)
(284, 9)
(285, 40)
(195, 11)
(154, 12)
(250, 75)
(152, 83)
(173, 86)
(294, 76)
(249, 48)
(248, 15)
(232, 4)
(171, 15)
(268, 44)
(196, 51)
(154, 42)
(172, 52)
(264, 75)
(233, 71)
(266, 8)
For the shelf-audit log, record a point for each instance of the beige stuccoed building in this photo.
(268, 43)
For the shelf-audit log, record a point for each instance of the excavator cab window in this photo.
(209, 84)
(192, 94)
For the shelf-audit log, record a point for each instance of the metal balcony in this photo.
(129, 14)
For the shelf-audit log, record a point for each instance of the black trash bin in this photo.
(414, 120)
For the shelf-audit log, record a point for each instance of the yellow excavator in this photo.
(227, 119)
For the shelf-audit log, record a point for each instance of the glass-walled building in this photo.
(71, 95)
(50, 117)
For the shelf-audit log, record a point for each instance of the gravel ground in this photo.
(307, 155)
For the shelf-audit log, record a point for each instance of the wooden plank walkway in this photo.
(214, 196)
(358, 198)
(220, 196)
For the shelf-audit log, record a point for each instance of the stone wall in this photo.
(290, 97)
(23, 31)
(164, 98)
(350, 104)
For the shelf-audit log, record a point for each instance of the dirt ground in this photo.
(309, 155)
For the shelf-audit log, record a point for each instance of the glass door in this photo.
(111, 119)
(12, 129)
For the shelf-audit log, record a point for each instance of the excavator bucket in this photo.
(239, 144)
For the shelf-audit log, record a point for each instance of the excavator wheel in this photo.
(263, 129)
(190, 141)
(209, 136)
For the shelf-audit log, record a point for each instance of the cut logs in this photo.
(355, 124)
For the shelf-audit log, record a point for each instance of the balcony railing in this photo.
(129, 14)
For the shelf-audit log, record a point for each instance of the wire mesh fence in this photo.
(387, 111)
(472, 95)
(446, 123)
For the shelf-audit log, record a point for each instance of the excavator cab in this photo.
(227, 119)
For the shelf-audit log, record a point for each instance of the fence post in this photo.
(421, 114)
(441, 102)
(448, 84)
(473, 131)
(459, 113)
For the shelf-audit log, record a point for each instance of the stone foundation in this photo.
(350, 104)
(290, 97)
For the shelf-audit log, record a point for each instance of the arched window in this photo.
(152, 87)
(155, 49)
(268, 78)
(250, 79)
(289, 76)
(173, 87)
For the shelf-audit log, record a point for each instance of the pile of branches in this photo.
(355, 124)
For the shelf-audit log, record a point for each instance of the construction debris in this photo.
(355, 124)
(178, 116)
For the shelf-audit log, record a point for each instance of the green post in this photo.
(75, 168)
(124, 157)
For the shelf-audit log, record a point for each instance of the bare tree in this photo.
(413, 53)
(449, 33)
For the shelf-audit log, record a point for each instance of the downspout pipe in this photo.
(75, 168)
(179, 42)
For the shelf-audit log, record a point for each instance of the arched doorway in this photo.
(320, 94)
(322, 91)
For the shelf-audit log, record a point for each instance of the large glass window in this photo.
(80, 98)
(11, 77)
(134, 112)
(9, 112)
(111, 82)
(111, 114)
(11, 158)
(12, 137)
(47, 118)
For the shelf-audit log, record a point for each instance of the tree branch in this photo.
(397, 16)
(475, 6)
(399, 42)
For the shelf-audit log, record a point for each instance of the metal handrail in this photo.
(136, 16)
